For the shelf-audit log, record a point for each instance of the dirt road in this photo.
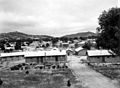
(89, 77)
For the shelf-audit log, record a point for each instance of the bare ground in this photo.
(88, 77)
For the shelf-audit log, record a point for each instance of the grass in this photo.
(112, 71)
(36, 79)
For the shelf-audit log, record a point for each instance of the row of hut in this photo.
(59, 56)
(38, 57)
(96, 56)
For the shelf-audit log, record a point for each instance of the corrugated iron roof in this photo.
(12, 54)
(46, 53)
(99, 53)
(78, 49)
(35, 53)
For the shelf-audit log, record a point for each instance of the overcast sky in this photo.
(51, 17)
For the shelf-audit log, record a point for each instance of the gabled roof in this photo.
(78, 49)
(35, 53)
(99, 53)
(69, 49)
(45, 53)
(12, 54)
(83, 42)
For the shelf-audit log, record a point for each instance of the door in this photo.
(56, 59)
(103, 59)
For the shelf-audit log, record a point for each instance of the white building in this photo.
(42, 57)
(12, 57)
(102, 56)
(80, 51)
(39, 57)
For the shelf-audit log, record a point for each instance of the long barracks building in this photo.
(39, 57)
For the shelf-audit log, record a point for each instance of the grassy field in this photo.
(112, 71)
(36, 79)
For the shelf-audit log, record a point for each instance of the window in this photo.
(41, 59)
(103, 59)
(56, 58)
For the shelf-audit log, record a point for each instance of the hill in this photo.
(19, 35)
(82, 34)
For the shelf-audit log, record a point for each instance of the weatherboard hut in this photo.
(102, 56)
(69, 51)
(80, 51)
(11, 57)
(49, 57)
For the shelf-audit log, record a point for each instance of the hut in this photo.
(11, 57)
(50, 57)
(102, 56)
(69, 52)
(80, 51)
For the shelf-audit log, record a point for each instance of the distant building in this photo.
(80, 44)
(35, 44)
(102, 56)
(52, 57)
(75, 40)
(72, 45)
(65, 45)
(69, 52)
(80, 51)
(46, 57)
(9, 48)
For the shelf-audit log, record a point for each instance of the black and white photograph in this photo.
(59, 43)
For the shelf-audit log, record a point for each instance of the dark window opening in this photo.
(41, 59)
(56, 58)
(103, 59)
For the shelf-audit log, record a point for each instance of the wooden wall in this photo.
(11, 58)
(48, 59)
(104, 59)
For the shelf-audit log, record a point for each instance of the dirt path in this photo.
(89, 77)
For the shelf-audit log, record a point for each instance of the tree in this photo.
(109, 30)
(82, 38)
(43, 46)
(1, 82)
(18, 45)
(87, 45)
(8, 44)
(64, 39)
(47, 45)
(2, 43)
(76, 38)
(2, 46)
(54, 41)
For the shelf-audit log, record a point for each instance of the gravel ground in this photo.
(88, 77)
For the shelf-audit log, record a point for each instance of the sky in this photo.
(51, 17)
